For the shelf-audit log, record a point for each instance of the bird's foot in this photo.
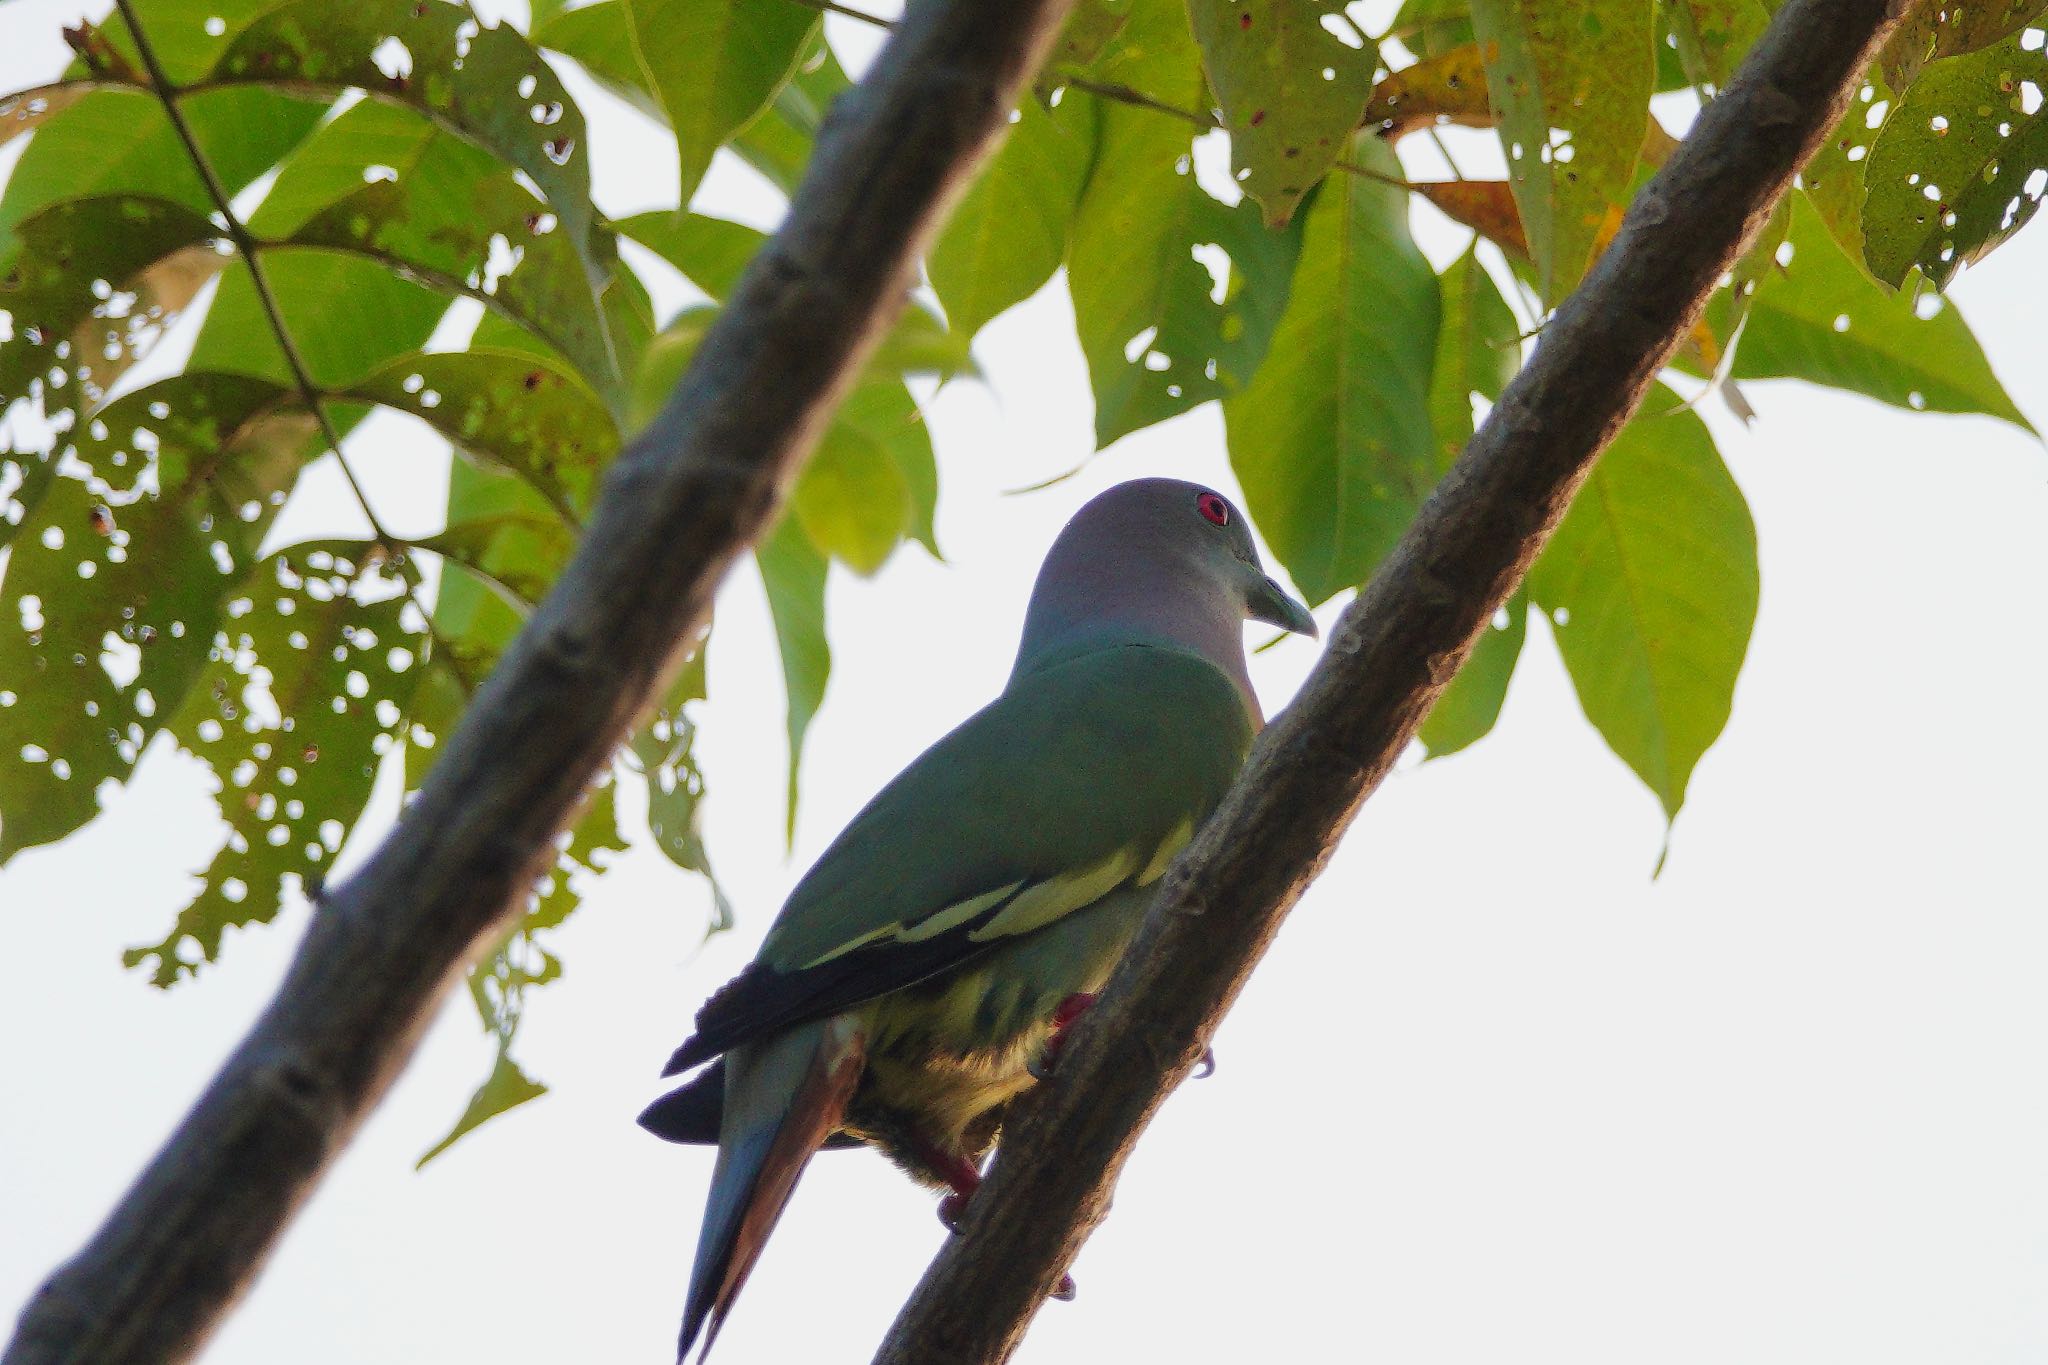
(1206, 1068)
(964, 1178)
(1064, 1291)
(1063, 1017)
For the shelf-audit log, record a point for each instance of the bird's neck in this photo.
(1062, 626)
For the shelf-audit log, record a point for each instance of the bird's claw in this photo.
(1072, 1008)
(1206, 1067)
(1064, 1291)
(952, 1209)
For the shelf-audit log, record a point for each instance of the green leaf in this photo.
(851, 499)
(1089, 30)
(1331, 441)
(305, 686)
(382, 181)
(1651, 581)
(1572, 84)
(1827, 322)
(778, 144)
(1291, 89)
(119, 140)
(1713, 36)
(606, 41)
(346, 314)
(1959, 166)
(882, 410)
(716, 64)
(115, 586)
(1009, 234)
(1469, 707)
(711, 252)
(1934, 29)
(1430, 28)
(1478, 349)
(793, 572)
(505, 1089)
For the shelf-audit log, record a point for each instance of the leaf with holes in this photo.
(1651, 581)
(381, 181)
(1572, 84)
(1448, 88)
(1823, 320)
(1467, 710)
(309, 674)
(1331, 441)
(1010, 232)
(1292, 77)
(1961, 164)
(482, 82)
(793, 572)
(89, 286)
(112, 592)
(517, 411)
(1934, 29)
(1834, 178)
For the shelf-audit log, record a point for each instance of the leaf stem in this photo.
(834, 7)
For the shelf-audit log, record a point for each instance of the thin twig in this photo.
(1445, 152)
(834, 7)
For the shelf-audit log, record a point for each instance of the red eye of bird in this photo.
(1213, 509)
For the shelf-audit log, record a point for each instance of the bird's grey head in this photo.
(1156, 561)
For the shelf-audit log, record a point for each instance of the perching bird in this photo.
(929, 962)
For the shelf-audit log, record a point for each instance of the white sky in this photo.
(1494, 1095)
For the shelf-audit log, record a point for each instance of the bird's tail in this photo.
(783, 1098)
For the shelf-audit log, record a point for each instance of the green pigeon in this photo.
(922, 974)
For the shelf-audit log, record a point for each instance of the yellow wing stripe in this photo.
(1040, 905)
(929, 927)
(1168, 850)
(1031, 907)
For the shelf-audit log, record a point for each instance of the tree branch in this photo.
(682, 502)
(1390, 656)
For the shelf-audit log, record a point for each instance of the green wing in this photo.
(1083, 777)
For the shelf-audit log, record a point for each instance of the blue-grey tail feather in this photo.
(782, 1097)
(691, 1112)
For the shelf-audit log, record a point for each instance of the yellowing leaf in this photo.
(1572, 84)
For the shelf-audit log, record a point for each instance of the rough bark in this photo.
(685, 499)
(1390, 656)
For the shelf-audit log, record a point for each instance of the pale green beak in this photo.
(1268, 601)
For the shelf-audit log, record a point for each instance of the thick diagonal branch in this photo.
(683, 501)
(1388, 659)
